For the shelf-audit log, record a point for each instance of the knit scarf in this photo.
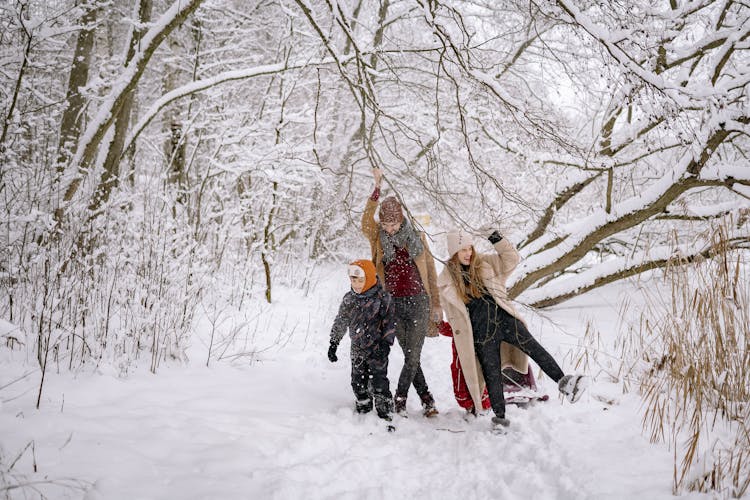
(405, 237)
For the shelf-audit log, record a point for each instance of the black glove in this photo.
(495, 237)
(332, 352)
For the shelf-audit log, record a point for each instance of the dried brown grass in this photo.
(689, 355)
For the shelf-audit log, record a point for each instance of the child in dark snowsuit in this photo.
(367, 311)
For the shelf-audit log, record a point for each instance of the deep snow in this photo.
(279, 424)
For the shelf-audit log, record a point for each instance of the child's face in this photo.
(358, 283)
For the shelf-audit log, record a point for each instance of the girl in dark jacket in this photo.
(367, 312)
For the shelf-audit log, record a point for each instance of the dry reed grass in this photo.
(690, 360)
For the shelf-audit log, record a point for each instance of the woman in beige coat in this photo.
(485, 324)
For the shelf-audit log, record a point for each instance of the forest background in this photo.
(157, 154)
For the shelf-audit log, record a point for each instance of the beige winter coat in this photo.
(425, 262)
(493, 271)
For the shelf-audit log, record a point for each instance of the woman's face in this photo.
(391, 227)
(464, 255)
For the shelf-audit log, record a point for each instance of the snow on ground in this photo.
(280, 424)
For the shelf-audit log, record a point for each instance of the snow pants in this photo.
(412, 322)
(370, 377)
(499, 326)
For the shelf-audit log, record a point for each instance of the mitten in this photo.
(495, 237)
(332, 352)
(490, 231)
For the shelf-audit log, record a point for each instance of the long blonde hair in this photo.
(474, 288)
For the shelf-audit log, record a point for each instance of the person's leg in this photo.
(487, 348)
(378, 363)
(360, 378)
(420, 325)
(411, 327)
(515, 332)
(402, 388)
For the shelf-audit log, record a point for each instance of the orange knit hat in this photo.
(368, 269)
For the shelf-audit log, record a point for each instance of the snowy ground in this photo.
(280, 425)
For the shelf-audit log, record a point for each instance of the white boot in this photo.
(572, 386)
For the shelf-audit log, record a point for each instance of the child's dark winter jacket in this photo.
(369, 317)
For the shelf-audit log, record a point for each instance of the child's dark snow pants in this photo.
(370, 372)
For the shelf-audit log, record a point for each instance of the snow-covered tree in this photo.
(181, 146)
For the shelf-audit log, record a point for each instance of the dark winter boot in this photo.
(385, 416)
(384, 406)
(428, 405)
(500, 425)
(363, 405)
(572, 386)
(399, 405)
(389, 425)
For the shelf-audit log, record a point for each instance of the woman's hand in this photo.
(491, 232)
(436, 314)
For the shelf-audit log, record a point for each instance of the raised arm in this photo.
(508, 256)
(369, 226)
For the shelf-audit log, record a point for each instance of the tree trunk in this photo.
(175, 145)
(110, 177)
(72, 118)
(17, 87)
(90, 142)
